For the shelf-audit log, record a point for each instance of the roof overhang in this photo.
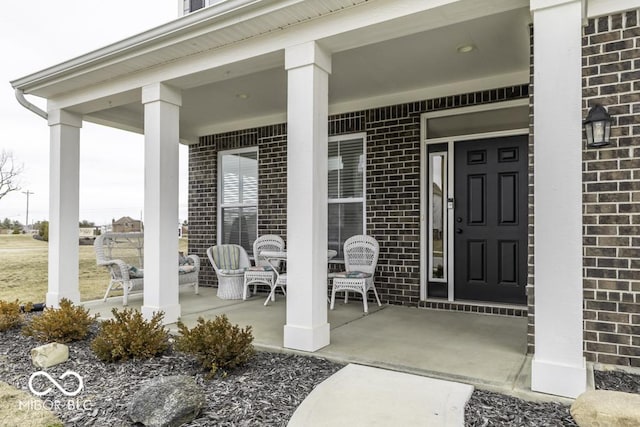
(212, 54)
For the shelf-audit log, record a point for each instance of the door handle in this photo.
(458, 230)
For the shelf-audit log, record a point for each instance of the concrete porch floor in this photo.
(482, 350)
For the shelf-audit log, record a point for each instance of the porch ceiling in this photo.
(413, 66)
(228, 59)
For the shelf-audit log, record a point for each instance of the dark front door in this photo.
(490, 220)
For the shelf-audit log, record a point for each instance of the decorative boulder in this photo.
(606, 408)
(49, 354)
(167, 402)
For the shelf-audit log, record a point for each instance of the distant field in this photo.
(23, 270)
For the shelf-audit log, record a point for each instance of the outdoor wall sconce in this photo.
(597, 126)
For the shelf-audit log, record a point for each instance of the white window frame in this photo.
(221, 204)
(345, 137)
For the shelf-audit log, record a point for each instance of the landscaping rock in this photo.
(167, 402)
(49, 355)
(606, 408)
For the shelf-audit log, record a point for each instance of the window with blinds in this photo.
(346, 189)
(238, 197)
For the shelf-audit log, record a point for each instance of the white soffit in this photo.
(208, 29)
(374, 58)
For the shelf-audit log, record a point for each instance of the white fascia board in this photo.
(119, 124)
(188, 26)
(131, 126)
(594, 8)
(469, 86)
(357, 18)
(420, 94)
(107, 102)
(545, 4)
(191, 65)
(252, 122)
(597, 8)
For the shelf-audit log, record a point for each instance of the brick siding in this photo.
(611, 192)
(203, 177)
(392, 193)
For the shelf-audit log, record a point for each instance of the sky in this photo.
(38, 34)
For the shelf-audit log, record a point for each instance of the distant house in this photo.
(126, 224)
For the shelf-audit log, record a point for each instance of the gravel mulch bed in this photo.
(618, 381)
(486, 408)
(264, 392)
(493, 409)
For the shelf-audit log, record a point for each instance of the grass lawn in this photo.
(23, 270)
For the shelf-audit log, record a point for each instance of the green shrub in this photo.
(11, 314)
(44, 230)
(65, 324)
(130, 336)
(216, 343)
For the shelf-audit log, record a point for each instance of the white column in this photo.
(558, 364)
(308, 69)
(64, 206)
(161, 135)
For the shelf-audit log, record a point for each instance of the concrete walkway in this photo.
(364, 396)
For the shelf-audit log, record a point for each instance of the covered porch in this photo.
(245, 64)
(486, 351)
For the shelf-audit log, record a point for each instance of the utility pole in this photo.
(27, 220)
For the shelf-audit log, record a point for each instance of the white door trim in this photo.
(450, 140)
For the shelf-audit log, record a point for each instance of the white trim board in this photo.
(425, 141)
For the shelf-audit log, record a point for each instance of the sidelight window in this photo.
(437, 194)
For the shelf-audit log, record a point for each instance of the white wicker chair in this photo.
(360, 258)
(123, 255)
(230, 262)
(262, 273)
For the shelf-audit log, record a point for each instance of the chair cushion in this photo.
(260, 268)
(350, 275)
(231, 272)
(135, 273)
(226, 257)
(187, 268)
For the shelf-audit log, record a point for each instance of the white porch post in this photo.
(307, 114)
(64, 206)
(161, 134)
(558, 364)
